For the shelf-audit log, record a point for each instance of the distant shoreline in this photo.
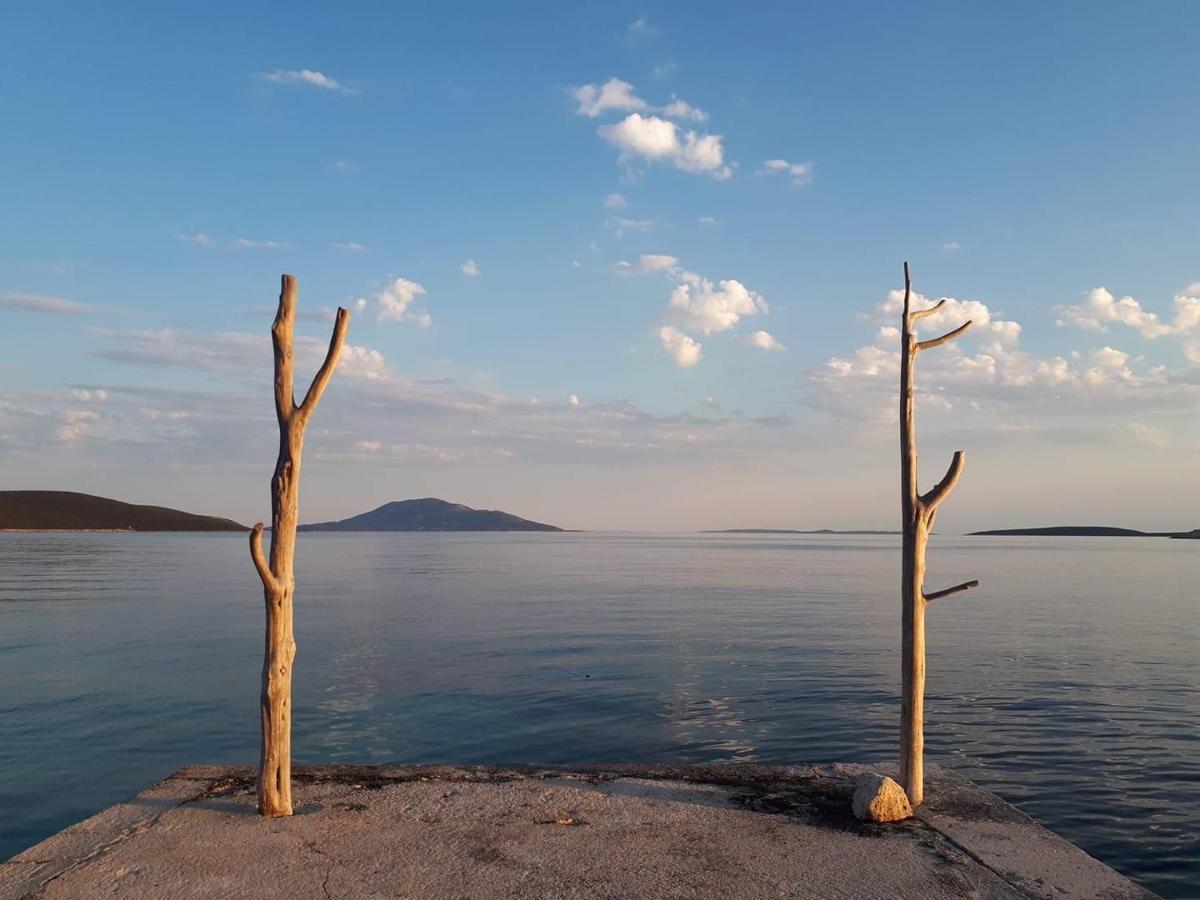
(789, 531)
(1082, 531)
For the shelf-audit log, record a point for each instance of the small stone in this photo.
(878, 798)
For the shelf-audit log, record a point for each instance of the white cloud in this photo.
(952, 246)
(665, 69)
(987, 369)
(362, 363)
(89, 395)
(616, 201)
(343, 165)
(659, 140)
(470, 268)
(573, 400)
(309, 77)
(707, 220)
(614, 94)
(349, 246)
(681, 348)
(42, 304)
(394, 302)
(799, 172)
(207, 240)
(1101, 309)
(620, 225)
(709, 308)
(679, 108)
(647, 263)
(252, 244)
(764, 340)
(360, 304)
(76, 424)
(200, 240)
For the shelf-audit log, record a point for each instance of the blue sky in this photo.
(768, 167)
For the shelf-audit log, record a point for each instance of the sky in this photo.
(609, 265)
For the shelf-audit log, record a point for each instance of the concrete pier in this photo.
(555, 832)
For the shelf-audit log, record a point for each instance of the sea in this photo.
(1068, 682)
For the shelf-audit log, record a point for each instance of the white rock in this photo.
(878, 798)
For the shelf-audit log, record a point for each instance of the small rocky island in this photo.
(71, 511)
(431, 514)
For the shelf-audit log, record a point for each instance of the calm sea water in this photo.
(1068, 683)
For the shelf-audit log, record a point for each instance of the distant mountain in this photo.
(1077, 531)
(1193, 535)
(431, 514)
(789, 531)
(69, 511)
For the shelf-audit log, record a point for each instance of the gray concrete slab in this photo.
(555, 832)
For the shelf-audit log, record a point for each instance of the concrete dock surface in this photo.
(555, 832)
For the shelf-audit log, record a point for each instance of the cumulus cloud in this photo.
(614, 94)
(680, 109)
(763, 340)
(708, 308)
(40, 303)
(659, 140)
(800, 173)
(707, 220)
(679, 346)
(699, 306)
(395, 301)
(470, 268)
(309, 77)
(616, 201)
(1101, 309)
(987, 370)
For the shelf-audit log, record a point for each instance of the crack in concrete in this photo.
(311, 845)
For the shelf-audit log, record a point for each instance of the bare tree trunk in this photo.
(278, 578)
(918, 512)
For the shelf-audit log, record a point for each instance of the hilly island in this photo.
(71, 511)
(431, 514)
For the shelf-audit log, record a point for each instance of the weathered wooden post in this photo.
(918, 512)
(279, 581)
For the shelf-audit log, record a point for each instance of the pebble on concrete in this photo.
(878, 798)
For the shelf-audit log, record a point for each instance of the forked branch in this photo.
(922, 313)
(321, 379)
(946, 592)
(939, 492)
(938, 341)
(260, 560)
